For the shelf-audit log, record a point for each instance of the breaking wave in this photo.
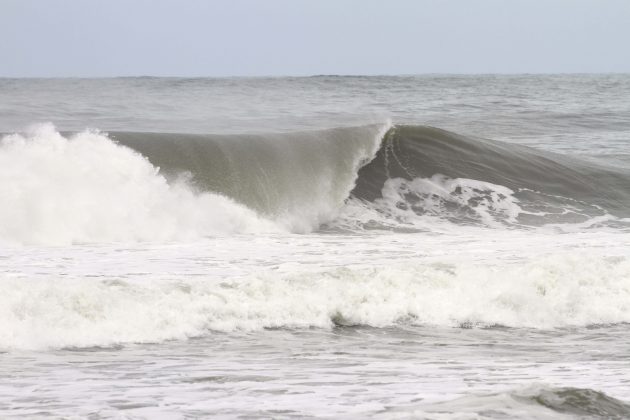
(425, 171)
(553, 292)
(124, 186)
(86, 188)
(92, 187)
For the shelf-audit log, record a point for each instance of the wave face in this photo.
(92, 187)
(299, 180)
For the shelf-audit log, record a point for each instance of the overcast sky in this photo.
(299, 37)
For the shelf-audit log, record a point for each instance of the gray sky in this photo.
(299, 37)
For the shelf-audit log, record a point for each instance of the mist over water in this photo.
(406, 246)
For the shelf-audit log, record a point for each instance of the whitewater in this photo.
(390, 247)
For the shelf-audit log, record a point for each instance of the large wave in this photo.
(126, 186)
(395, 174)
(86, 187)
(299, 180)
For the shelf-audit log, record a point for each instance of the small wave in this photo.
(535, 401)
(557, 291)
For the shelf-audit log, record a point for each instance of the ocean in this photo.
(430, 247)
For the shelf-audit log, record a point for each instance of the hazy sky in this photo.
(299, 37)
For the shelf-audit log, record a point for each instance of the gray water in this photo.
(571, 113)
(312, 247)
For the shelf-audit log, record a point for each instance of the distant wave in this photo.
(127, 186)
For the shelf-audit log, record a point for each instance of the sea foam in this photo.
(86, 188)
(560, 290)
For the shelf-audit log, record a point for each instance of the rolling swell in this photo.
(544, 187)
(582, 402)
(535, 401)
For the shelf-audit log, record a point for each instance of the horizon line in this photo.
(321, 75)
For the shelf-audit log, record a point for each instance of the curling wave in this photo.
(422, 171)
(124, 186)
(395, 174)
